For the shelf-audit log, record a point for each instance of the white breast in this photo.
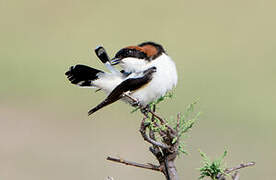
(164, 79)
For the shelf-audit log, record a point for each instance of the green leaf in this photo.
(135, 109)
(211, 168)
(174, 140)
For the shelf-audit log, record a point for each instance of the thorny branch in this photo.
(166, 150)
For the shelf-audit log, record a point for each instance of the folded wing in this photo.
(129, 85)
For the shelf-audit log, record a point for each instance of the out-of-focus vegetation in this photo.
(225, 55)
(211, 168)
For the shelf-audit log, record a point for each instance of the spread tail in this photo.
(82, 75)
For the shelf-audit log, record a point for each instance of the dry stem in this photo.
(131, 163)
(235, 169)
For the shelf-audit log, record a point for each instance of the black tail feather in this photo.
(98, 107)
(82, 75)
(101, 105)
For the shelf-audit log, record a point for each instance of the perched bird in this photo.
(147, 74)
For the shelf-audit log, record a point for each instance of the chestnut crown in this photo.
(146, 50)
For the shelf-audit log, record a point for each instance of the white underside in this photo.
(164, 79)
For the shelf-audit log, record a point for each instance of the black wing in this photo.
(130, 84)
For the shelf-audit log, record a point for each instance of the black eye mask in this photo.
(126, 52)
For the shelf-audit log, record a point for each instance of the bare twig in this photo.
(230, 170)
(131, 163)
(243, 165)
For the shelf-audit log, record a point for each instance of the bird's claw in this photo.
(136, 103)
(145, 110)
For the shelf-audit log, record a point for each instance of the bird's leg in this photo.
(145, 110)
(135, 102)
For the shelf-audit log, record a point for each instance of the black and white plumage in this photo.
(148, 73)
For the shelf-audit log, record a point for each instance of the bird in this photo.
(147, 74)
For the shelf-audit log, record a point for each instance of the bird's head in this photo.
(135, 58)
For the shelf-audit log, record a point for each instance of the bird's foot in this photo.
(145, 110)
(136, 104)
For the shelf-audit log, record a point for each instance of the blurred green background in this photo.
(225, 54)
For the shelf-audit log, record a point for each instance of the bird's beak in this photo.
(115, 61)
